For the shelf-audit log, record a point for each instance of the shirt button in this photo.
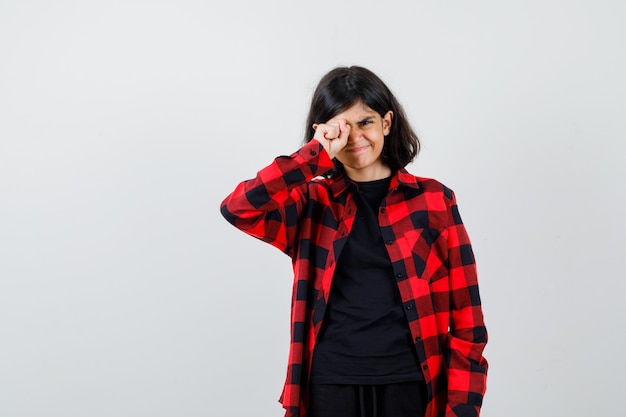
(399, 275)
(313, 153)
(383, 210)
(418, 339)
(409, 306)
(389, 242)
(425, 367)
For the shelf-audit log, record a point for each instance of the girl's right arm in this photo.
(268, 206)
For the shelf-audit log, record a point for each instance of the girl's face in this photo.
(361, 157)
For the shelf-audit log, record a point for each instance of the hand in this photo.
(333, 135)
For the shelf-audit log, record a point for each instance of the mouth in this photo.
(357, 148)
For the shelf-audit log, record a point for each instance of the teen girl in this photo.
(386, 316)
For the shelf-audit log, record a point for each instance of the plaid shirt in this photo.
(309, 218)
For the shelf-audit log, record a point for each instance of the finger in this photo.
(344, 129)
(330, 134)
(331, 131)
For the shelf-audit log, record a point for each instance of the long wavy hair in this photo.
(343, 87)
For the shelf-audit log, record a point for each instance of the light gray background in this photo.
(123, 124)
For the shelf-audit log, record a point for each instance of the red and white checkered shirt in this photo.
(310, 217)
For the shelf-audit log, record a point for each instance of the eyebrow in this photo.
(365, 119)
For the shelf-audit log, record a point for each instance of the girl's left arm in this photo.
(465, 365)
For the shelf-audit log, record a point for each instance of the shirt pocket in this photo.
(429, 250)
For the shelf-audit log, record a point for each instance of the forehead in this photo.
(358, 111)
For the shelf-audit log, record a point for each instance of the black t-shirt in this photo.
(365, 337)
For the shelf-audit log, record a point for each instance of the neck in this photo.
(372, 174)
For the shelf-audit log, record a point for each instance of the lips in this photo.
(358, 148)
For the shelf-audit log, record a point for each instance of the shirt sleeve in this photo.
(465, 365)
(268, 206)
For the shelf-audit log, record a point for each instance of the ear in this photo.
(387, 118)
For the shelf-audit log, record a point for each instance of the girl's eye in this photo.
(365, 122)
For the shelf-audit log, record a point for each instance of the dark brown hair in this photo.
(343, 87)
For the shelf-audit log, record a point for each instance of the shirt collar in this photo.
(401, 178)
(406, 179)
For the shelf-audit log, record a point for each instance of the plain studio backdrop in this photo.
(123, 125)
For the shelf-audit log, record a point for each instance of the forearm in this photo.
(257, 206)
